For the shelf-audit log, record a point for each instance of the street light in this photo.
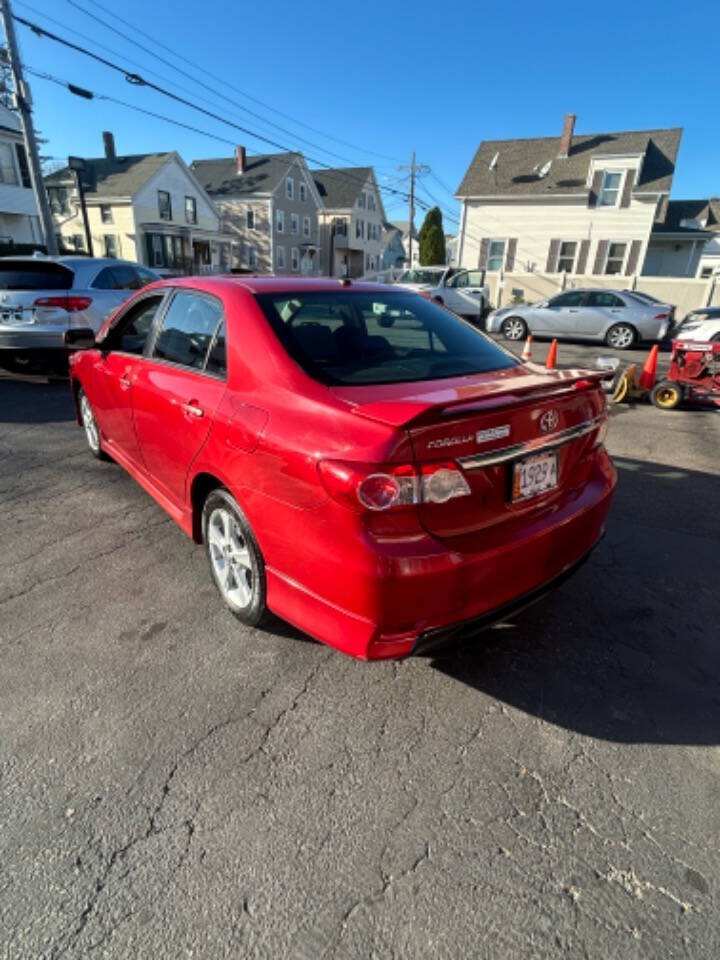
(78, 165)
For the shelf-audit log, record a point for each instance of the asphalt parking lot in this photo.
(174, 785)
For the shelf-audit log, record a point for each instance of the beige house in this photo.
(19, 219)
(145, 207)
(268, 205)
(351, 221)
(575, 205)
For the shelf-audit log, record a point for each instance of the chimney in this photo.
(567, 134)
(109, 144)
(241, 157)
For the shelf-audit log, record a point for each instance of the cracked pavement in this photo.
(173, 784)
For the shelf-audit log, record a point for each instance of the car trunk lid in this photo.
(486, 425)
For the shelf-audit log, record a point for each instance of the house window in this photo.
(8, 173)
(566, 258)
(106, 213)
(110, 245)
(609, 190)
(706, 273)
(371, 201)
(294, 223)
(340, 227)
(496, 255)
(251, 256)
(359, 228)
(190, 210)
(295, 259)
(23, 165)
(290, 188)
(615, 257)
(280, 221)
(306, 226)
(78, 241)
(303, 192)
(164, 205)
(250, 219)
(362, 200)
(280, 258)
(57, 197)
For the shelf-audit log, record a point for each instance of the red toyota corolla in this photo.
(355, 458)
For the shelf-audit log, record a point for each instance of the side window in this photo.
(125, 278)
(187, 329)
(104, 280)
(131, 332)
(603, 299)
(574, 298)
(145, 277)
(461, 280)
(217, 358)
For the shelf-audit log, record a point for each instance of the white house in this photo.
(577, 204)
(19, 218)
(351, 220)
(147, 207)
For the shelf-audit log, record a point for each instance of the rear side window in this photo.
(122, 278)
(602, 298)
(364, 338)
(217, 357)
(188, 329)
(34, 275)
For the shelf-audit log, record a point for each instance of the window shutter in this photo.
(600, 256)
(552, 259)
(595, 188)
(633, 258)
(482, 258)
(583, 257)
(627, 188)
(510, 255)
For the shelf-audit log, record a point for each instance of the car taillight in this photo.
(662, 316)
(389, 487)
(71, 304)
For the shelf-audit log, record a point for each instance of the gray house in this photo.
(269, 205)
(351, 220)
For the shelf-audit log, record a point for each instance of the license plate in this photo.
(534, 475)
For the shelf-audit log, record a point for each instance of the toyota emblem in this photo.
(549, 421)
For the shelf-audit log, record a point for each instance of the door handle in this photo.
(574, 310)
(192, 409)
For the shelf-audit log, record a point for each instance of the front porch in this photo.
(184, 250)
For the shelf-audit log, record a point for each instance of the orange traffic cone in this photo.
(527, 349)
(647, 377)
(550, 363)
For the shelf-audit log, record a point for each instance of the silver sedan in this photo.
(618, 318)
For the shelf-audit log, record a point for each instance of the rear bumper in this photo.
(32, 337)
(413, 593)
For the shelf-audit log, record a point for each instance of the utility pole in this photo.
(415, 169)
(23, 101)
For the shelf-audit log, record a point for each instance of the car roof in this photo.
(272, 284)
(74, 262)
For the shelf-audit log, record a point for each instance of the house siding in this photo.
(536, 224)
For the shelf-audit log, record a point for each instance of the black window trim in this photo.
(147, 353)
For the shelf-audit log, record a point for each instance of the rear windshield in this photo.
(432, 277)
(34, 275)
(365, 338)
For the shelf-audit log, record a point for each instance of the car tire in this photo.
(236, 563)
(715, 339)
(92, 431)
(667, 395)
(514, 328)
(621, 336)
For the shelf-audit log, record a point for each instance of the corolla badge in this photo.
(549, 421)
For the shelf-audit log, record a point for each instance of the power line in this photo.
(194, 79)
(230, 86)
(138, 80)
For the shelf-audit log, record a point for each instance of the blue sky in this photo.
(384, 79)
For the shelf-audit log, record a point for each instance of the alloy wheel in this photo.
(621, 337)
(230, 558)
(514, 329)
(88, 419)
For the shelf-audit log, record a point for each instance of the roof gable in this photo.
(262, 174)
(116, 177)
(340, 187)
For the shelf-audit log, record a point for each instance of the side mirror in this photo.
(79, 338)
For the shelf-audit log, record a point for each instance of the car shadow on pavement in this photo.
(23, 400)
(627, 650)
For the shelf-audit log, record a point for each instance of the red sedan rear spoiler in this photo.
(454, 402)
